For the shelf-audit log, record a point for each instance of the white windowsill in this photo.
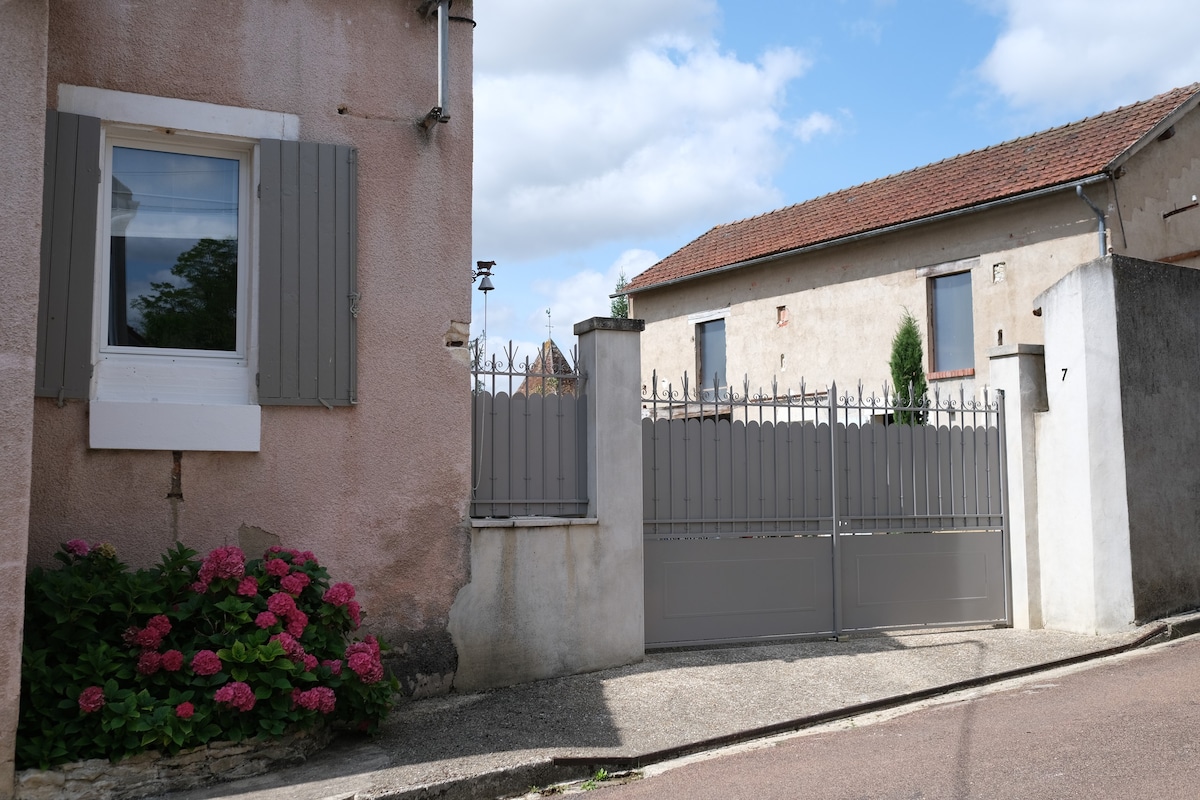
(174, 426)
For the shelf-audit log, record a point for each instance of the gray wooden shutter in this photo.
(69, 212)
(308, 295)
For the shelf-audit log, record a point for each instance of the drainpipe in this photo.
(441, 111)
(1099, 217)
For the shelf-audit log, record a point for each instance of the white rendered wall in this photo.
(1083, 518)
(551, 597)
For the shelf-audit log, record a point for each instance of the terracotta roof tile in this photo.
(1056, 156)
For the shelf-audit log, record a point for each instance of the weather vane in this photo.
(549, 327)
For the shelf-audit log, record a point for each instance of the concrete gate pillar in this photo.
(1020, 372)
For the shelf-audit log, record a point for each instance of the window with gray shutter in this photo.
(69, 208)
(308, 298)
(307, 276)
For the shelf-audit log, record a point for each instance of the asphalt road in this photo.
(1128, 727)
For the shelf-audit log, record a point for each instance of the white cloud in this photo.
(517, 36)
(1075, 56)
(628, 122)
(814, 124)
(585, 294)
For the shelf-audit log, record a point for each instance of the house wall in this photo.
(22, 126)
(1161, 177)
(845, 302)
(378, 490)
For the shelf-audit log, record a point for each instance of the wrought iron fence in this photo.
(781, 462)
(528, 445)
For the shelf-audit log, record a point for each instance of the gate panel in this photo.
(786, 514)
(901, 579)
(727, 589)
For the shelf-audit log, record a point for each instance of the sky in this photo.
(610, 134)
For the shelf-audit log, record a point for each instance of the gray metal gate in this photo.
(792, 514)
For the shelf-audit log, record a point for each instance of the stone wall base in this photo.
(152, 772)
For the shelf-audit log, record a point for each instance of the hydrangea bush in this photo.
(116, 662)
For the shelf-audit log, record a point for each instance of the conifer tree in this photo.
(908, 370)
(620, 305)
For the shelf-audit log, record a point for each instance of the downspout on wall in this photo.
(1099, 217)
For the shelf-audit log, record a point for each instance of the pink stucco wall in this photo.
(378, 491)
(22, 122)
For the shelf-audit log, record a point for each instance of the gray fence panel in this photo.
(922, 579)
(706, 590)
(526, 455)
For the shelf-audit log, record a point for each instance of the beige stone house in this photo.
(817, 289)
(294, 156)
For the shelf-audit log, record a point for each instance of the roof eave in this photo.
(899, 226)
(1152, 134)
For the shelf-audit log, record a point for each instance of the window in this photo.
(177, 277)
(952, 334)
(710, 354)
(190, 276)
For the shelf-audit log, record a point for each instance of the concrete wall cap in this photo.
(1017, 350)
(609, 324)
(533, 522)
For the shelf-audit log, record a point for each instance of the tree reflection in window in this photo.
(200, 310)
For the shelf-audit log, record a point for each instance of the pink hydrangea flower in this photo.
(355, 611)
(149, 662)
(297, 621)
(310, 662)
(364, 660)
(248, 586)
(172, 661)
(77, 547)
(366, 667)
(293, 649)
(160, 623)
(294, 583)
(148, 638)
(266, 619)
(277, 567)
(224, 562)
(236, 695)
(303, 557)
(339, 594)
(318, 698)
(185, 710)
(91, 699)
(334, 664)
(281, 604)
(206, 662)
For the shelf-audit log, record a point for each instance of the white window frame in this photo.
(243, 154)
(177, 399)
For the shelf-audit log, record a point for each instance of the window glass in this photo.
(173, 250)
(953, 325)
(710, 345)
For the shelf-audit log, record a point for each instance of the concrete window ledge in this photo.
(533, 522)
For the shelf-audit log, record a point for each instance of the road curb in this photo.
(589, 764)
(514, 781)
